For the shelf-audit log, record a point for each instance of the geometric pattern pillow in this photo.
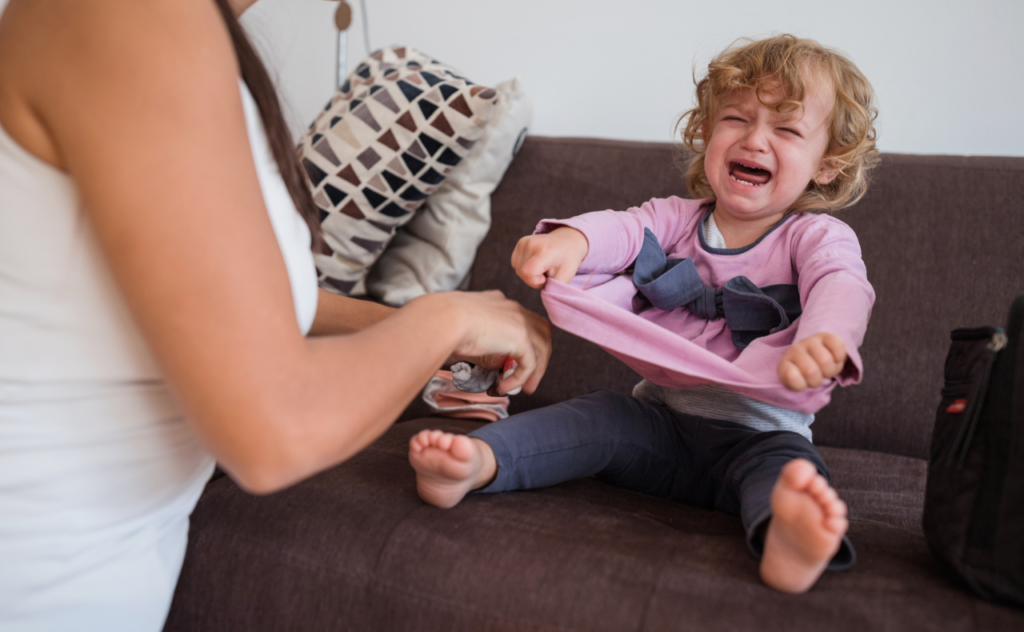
(434, 252)
(389, 136)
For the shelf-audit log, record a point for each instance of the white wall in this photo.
(949, 76)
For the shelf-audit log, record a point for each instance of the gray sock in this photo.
(472, 379)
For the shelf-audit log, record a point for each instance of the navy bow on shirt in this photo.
(749, 311)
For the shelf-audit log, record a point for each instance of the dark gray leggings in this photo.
(648, 448)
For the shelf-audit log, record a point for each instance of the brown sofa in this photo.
(355, 549)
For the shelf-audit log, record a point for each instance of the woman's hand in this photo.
(342, 315)
(494, 328)
(489, 362)
(557, 254)
(811, 361)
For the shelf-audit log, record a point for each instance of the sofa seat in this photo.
(354, 548)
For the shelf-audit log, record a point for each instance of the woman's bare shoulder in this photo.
(62, 56)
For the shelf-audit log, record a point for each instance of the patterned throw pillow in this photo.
(389, 136)
(435, 251)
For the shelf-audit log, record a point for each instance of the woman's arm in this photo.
(342, 315)
(142, 104)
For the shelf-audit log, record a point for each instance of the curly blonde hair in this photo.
(785, 63)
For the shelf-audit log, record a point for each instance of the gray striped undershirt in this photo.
(717, 402)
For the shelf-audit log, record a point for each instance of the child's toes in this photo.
(836, 509)
(444, 442)
(817, 486)
(836, 524)
(797, 473)
(826, 496)
(462, 448)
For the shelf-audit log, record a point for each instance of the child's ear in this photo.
(827, 171)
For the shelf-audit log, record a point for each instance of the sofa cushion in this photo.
(354, 548)
(881, 488)
(434, 252)
(386, 140)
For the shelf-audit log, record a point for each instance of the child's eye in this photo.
(791, 131)
(732, 118)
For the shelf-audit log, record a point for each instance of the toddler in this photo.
(757, 274)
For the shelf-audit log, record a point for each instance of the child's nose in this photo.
(756, 138)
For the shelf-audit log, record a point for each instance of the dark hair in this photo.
(255, 76)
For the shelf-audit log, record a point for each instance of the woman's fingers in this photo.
(540, 336)
(526, 365)
(491, 362)
(539, 339)
(500, 328)
(525, 354)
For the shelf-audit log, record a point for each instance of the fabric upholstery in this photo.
(355, 549)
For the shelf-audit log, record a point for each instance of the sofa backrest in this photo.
(942, 237)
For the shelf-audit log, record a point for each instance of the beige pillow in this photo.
(435, 250)
(387, 139)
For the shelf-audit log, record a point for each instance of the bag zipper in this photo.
(975, 402)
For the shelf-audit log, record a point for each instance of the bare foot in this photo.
(449, 466)
(807, 526)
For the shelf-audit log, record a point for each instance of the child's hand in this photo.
(557, 254)
(812, 360)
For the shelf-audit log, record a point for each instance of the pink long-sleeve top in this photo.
(676, 348)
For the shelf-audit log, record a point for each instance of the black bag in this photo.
(974, 501)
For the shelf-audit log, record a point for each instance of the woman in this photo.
(151, 317)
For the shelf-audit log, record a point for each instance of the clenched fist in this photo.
(557, 254)
(812, 361)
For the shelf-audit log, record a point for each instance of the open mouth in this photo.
(749, 174)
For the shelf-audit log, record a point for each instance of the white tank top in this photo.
(98, 468)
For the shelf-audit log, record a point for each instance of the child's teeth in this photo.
(751, 184)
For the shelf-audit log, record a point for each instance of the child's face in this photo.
(759, 161)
